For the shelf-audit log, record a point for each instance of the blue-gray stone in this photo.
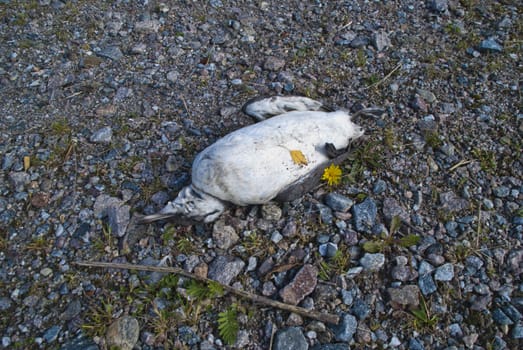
(414, 344)
(512, 312)
(225, 268)
(160, 198)
(337, 202)
(291, 338)
(473, 264)
(501, 318)
(338, 346)
(455, 330)
(360, 309)
(80, 343)
(499, 343)
(188, 335)
(5, 303)
(325, 213)
(346, 329)
(490, 45)
(103, 135)
(451, 227)
(426, 284)
(439, 6)
(51, 334)
(372, 262)
(517, 331)
(112, 52)
(72, 310)
(379, 186)
(365, 215)
(359, 41)
(501, 191)
(328, 250)
(347, 297)
(444, 273)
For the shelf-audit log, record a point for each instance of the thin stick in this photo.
(385, 77)
(323, 317)
(459, 164)
(185, 105)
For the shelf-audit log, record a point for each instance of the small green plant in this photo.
(487, 159)
(423, 318)
(336, 265)
(228, 324)
(379, 245)
(100, 317)
(184, 245)
(372, 79)
(361, 58)
(201, 291)
(432, 139)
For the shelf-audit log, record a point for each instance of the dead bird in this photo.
(254, 165)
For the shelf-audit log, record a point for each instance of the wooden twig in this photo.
(385, 77)
(323, 317)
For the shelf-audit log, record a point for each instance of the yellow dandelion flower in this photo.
(332, 175)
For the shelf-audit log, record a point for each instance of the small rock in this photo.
(290, 338)
(224, 236)
(426, 284)
(147, 26)
(302, 285)
(359, 41)
(517, 331)
(501, 318)
(451, 202)
(19, 180)
(490, 45)
(426, 95)
(40, 199)
(439, 6)
(418, 104)
(51, 334)
(501, 191)
(103, 135)
(444, 273)
(365, 215)
(338, 202)
(117, 213)
(325, 213)
(381, 41)
(276, 237)
(80, 343)
(372, 262)
(346, 329)
(407, 295)
(328, 249)
(415, 344)
(379, 187)
(392, 208)
(188, 336)
(274, 63)
(360, 309)
(224, 269)
(173, 76)
(73, 309)
(112, 52)
(455, 330)
(123, 333)
(271, 212)
(470, 340)
(139, 49)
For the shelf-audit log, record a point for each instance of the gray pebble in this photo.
(372, 262)
(103, 135)
(112, 52)
(346, 329)
(500, 317)
(338, 202)
(490, 45)
(51, 334)
(291, 338)
(426, 284)
(328, 249)
(517, 331)
(123, 333)
(325, 213)
(381, 41)
(444, 272)
(379, 186)
(224, 269)
(365, 215)
(501, 191)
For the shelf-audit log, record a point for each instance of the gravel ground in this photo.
(105, 104)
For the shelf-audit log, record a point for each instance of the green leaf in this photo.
(395, 224)
(215, 289)
(373, 246)
(409, 241)
(197, 290)
(228, 325)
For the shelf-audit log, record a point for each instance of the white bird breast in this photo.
(253, 165)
